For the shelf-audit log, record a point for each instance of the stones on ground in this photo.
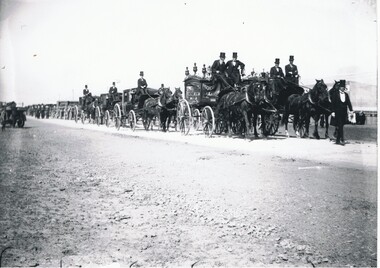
(283, 257)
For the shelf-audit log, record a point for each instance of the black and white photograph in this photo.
(188, 133)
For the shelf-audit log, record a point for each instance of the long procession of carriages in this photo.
(198, 110)
(195, 111)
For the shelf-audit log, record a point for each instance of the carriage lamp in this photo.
(195, 68)
(204, 70)
(187, 71)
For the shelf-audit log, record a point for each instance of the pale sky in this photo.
(49, 49)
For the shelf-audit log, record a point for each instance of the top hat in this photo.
(85, 86)
(162, 85)
(342, 83)
(291, 58)
(277, 61)
(141, 73)
(234, 54)
(113, 83)
(222, 55)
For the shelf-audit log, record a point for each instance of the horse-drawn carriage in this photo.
(109, 109)
(65, 109)
(196, 108)
(129, 111)
(84, 109)
(220, 107)
(12, 115)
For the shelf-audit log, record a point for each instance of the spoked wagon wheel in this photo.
(270, 123)
(20, 122)
(184, 117)
(132, 119)
(76, 113)
(70, 113)
(97, 116)
(117, 116)
(107, 118)
(208, 121)
(196, 119)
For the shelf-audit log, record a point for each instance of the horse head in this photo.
(165, 97)
(177, 94)
(319, 93)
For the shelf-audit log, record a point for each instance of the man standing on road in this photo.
(233, 68)
(291, 71)
(340, 102)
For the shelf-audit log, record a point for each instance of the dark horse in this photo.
(240, 107)
(168, 109)
(304, 106)
(161, 108)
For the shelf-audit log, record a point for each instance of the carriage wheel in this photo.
(97, 116)
(196, 119)
(76, 112)
(132, 120)
(270, 123)
(107, 118)
(184, 117)
(117, 116)
(70, 113)
(208, 121)
(21, 122)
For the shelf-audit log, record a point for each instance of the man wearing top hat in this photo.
(233, 69)
(85, 91)
(141, 90)
(142, 84)
(340, 101)
(218, 70)
(112, 92)
(276, 71)
(291, 71)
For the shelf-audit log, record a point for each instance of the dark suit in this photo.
(112, 92)
(218, 67)
(141, 91)
(340, 109)
(142, 85)
(218, 71)
(291, 73)
(233, 71)
(276, 73)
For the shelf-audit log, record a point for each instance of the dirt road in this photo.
(79, 197)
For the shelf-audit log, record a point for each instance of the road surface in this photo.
(75, 195)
